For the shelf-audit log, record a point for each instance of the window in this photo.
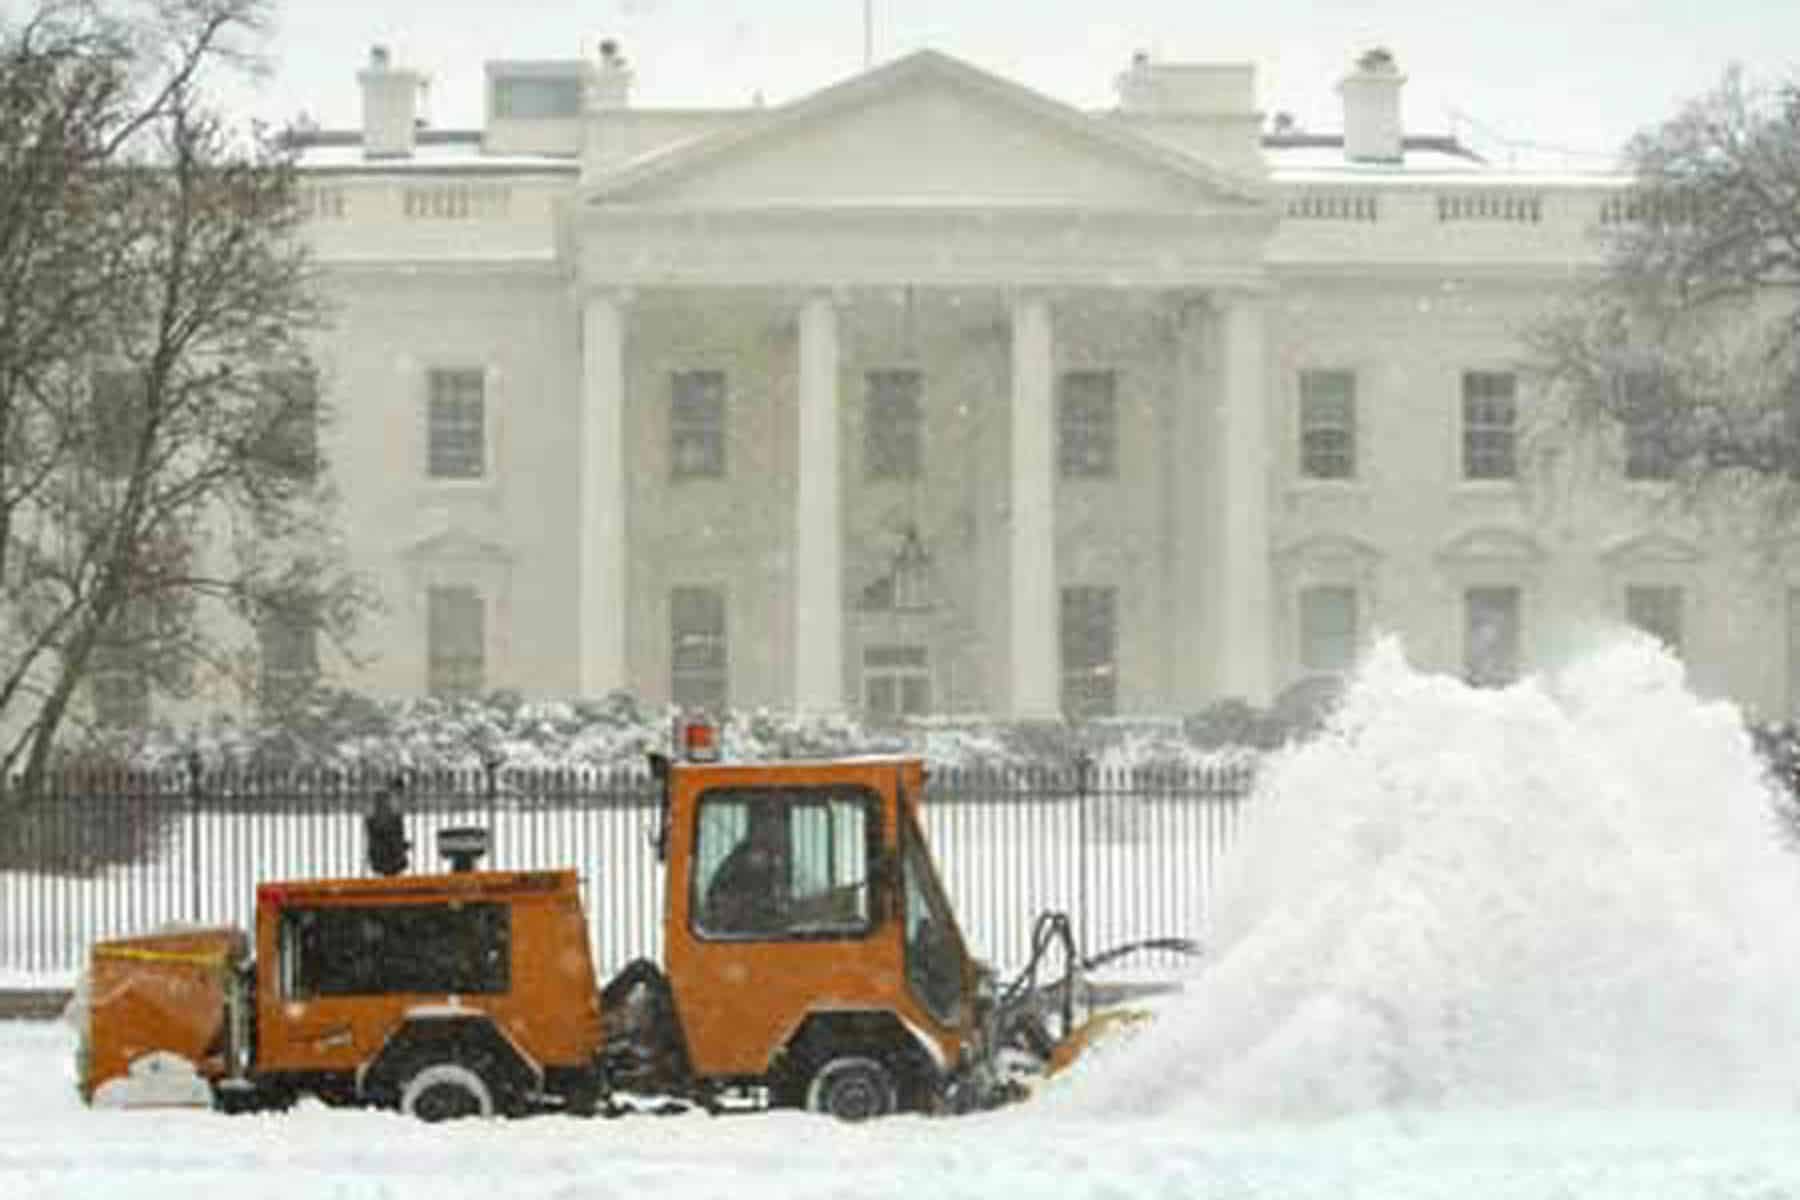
(1088, 425)
(1491, 635)
(118, 671)
(933, 950)
(784, 863)
(409, 949)
(1328, 424)
(892, 425)
(288, 649)
(288, 439)
(1490, 425)
(697, 648)
(119, 402)
(697, 425)
(456, 642)
(536, 99)
(1645, 411)
(896, 681)
(456, 425)
(1656, 609)
(1090, 638)
(1328, 628)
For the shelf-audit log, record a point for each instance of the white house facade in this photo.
(929, 393)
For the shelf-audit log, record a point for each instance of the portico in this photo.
(1033, 239)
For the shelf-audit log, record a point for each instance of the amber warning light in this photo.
(698, 740)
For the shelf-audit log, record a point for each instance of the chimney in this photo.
(390, 106)
(612, 82)
(1371, 95)
(1152, 88)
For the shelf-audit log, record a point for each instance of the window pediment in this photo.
(1651, 548)
(456, 546)
(1492, 545)
(1336, 548)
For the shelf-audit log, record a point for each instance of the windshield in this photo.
(933, 946)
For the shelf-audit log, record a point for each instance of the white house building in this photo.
(928, 392)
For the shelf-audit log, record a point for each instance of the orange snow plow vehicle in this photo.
(811, 960)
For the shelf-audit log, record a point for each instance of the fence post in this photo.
(1084, 767)
(490, 766)
(194, 765)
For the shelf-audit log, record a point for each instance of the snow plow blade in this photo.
(152, 1016)
(1103, 1026)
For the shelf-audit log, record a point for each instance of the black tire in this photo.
(446, 1091)
(853, 1089)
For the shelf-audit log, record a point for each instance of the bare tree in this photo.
(160, 488)
(1689, 345)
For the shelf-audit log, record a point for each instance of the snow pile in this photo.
(1566, 893)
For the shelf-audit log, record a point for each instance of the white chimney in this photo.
(1186, 89)
(390, 106)
(1371, 95)
(611, 87)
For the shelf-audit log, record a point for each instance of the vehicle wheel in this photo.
(445, 1091)
(853, 1089)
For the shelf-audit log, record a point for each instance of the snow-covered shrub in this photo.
(346, 730)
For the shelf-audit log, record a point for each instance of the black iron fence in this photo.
(1129, 854)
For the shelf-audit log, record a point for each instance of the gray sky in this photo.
(1580, 74)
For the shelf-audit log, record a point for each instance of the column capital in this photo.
(618, 295)
(1241, 295)
(798, 299)
(1034, 293)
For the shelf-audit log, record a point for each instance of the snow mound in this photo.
(1566, 892)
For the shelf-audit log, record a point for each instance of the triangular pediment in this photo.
(928, 131)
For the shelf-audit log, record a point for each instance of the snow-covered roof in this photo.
(460, 150)
(1316, 160)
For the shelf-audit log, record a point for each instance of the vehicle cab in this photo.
(806, 925)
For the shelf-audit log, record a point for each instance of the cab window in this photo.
(933, 951)
(773, 863)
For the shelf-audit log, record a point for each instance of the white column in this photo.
(1035, 651)
(818, 553)
(602, 553)
(1242, 601)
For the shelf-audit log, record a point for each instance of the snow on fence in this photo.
(1129, 854)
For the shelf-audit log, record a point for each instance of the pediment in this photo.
(1645, 548)
(928, 131)
(1330, 548)
(1492, 544)
(455, 545)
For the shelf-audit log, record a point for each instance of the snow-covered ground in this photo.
(51, 1148)
(1530, 943)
